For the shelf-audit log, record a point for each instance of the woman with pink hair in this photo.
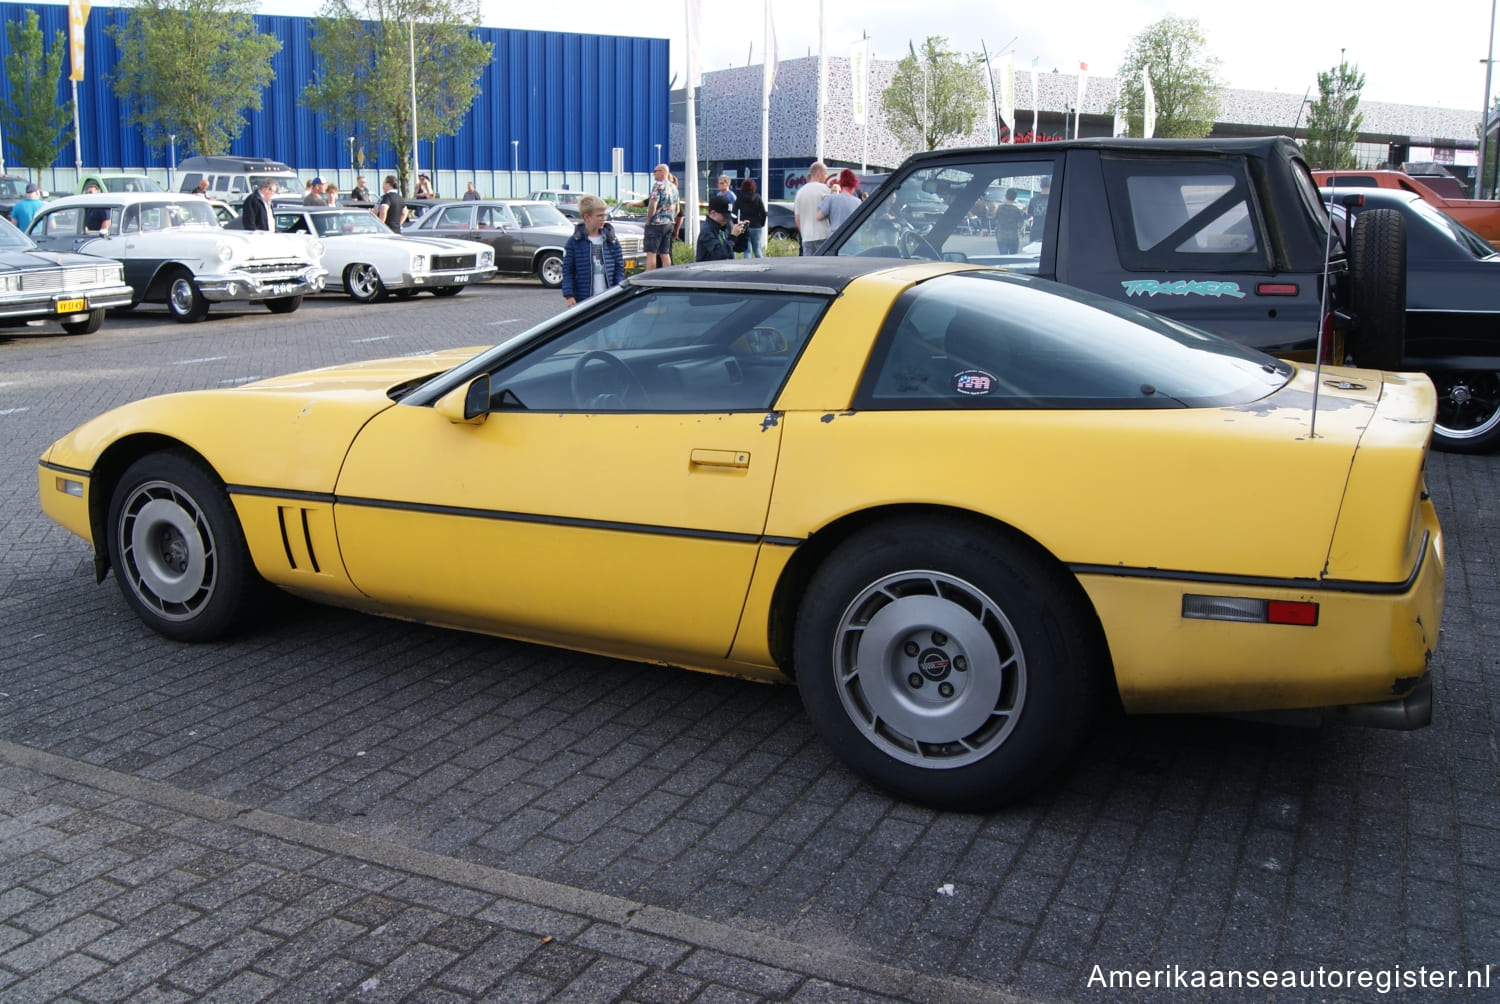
(842, 202)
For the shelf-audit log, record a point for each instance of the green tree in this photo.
(935, 96)
(193, 68)
(1333, 120)
(35, 124)
(362, 79)
(1184, 79)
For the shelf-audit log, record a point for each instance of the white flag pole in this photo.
(689, 191)
(822, 79)
(768, 73)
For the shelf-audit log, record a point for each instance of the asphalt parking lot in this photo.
(338, 806)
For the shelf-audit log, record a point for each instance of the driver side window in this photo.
(666, 351)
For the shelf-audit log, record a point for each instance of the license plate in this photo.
(460, 278)
(72, 306)
(631, 266)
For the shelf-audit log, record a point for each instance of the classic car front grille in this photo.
(263, 268)
(54, 280)
(631, 244)
(451, 262)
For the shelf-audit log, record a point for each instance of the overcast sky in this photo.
(1275, 45)
(1263, 44)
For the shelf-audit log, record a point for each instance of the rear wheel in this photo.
(184, 301)
(87, 326)
(549, 269)
(1468, 411)
(1377, 261)
(949, 664)
(363, 283)
(178, 551)
(284, 304)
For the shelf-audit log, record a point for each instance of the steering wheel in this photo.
(612, 397)
(914, 245)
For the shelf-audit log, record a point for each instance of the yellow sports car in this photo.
(961, 509)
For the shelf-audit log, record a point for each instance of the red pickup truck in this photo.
(1480, 215)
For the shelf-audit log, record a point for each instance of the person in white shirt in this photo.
(805, 210)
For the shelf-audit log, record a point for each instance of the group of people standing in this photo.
(823, 203)
(258, 212)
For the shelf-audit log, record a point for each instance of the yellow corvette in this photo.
(961, 509)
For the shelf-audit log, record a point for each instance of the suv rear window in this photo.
(1183, 215)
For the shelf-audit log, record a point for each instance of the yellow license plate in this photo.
(631, 265)
(72, 306)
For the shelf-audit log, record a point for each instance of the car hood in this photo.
(260, 243)
(288, 433)
(16, 260)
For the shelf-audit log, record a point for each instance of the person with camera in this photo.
(720, 231)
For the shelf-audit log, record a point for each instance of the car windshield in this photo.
(336, 224)
(188, 214)
(12, 188)
(991, 213)
(130, 184)
(12, 239)
(540, 214)
(993, 340)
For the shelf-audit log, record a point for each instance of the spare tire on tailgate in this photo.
(1377, 265)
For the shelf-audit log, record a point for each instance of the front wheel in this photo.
(948, 663)
(362, 280)
(1468, 411)
(87, 326)
(184, 301)
(178, 551)
(549, 269)
(284, 304)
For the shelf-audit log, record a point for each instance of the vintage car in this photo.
(72, 289)
(174, 251)
(370, 262)
(1452, 313)
(961, 508)
(1479, 215)
(120, 183)
(528, 237)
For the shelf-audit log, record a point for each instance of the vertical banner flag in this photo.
(769, 72)
(859, 69)
(1148, 123)
(1083, 85)
(1035, 61)
(1008, 94)
(78, 16)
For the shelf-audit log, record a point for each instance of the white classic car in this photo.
(173, 250)
(369, 261)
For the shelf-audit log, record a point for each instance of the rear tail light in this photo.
(1248, 610)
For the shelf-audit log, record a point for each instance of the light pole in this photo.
(515, 164)
(1484, 106)
(658, 156)
(172, 174)
(352, 175)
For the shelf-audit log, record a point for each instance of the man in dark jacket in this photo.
(716, 239)
(255, 214)
(593, 260)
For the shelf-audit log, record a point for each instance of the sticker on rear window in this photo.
(973, 382)
(1182, 287)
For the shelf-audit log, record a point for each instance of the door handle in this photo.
(720, 458)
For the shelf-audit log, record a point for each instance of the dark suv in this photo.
(1226, 235)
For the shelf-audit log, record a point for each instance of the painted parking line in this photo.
(13, 411)
(377, 338)
(204, 359)
(508, 320)
(232, 381)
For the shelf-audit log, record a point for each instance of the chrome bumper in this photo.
(454, 277)
(242, 286)
(45, 305)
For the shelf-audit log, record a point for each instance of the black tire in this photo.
(549, 269)
(362, 281)
(929, 701)
(178, 551)
(284, 304)
(184, 300)
(447, 290)
(92, 324)
(1468, 411)
(1377, 264)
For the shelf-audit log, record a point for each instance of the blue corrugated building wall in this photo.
(568, 98)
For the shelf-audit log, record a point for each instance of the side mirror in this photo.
(466, 405)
